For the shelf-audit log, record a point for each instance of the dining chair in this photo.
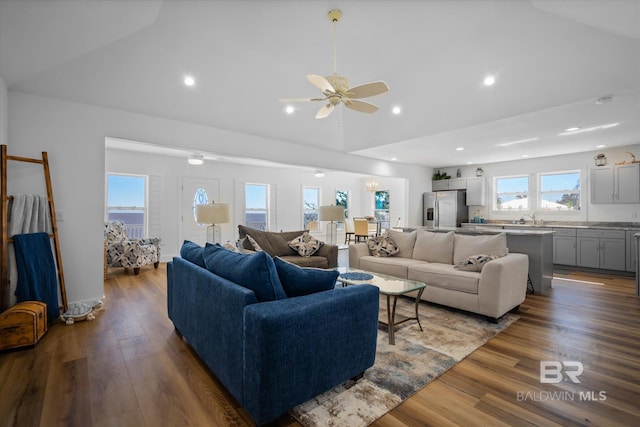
(348, 231)
(361, 229)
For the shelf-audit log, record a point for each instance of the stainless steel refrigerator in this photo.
(445, 209)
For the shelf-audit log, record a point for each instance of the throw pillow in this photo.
(404, 241)
(432, 246)
(469, 245)
(382, 246)
(193, 253)
(306, 245)
(475, 262)
(256, 246)
(298, 281)
(256, 271)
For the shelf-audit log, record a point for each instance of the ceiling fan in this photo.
(335, 88)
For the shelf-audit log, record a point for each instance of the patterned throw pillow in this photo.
(256, 246)
(382, 246)
(475, 262)
(305, 244)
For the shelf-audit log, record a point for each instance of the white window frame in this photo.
(341, 225)
(388, 210)
(132, 232)
(540, 193)
(494, 202)
(266, 201)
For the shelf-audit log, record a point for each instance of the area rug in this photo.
(401, 370)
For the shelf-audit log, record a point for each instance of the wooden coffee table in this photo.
(389, 286)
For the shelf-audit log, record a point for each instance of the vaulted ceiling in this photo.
(552, 60)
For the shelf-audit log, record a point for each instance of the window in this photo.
(512, 193)
(199, 198)
(560, 191)
(256, 211)
(126, 202)
(310, 202)
(381, 211)
(342, 199)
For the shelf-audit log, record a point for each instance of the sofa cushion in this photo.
(256, 271)
(434, 247)
(309, 261)
(305, 244)
(393, 266)
(193, 253)
(465, 246)
(475, 262)
(382, 246)
(298, 281)
(404, 241)
(444, 276)
(275, 244)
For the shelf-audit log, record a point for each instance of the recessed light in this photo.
(601, 146)
(525, 155)
(393, 159)
(489, 81)
(289, 109)
(459, 148)
(469, 163)
(396, 110)
(189, 80)
(571, 129)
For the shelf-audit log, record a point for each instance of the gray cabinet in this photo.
(605, 249)
(564, 246)
(631, 250)
(449, 184)
(476, 192)
(616, 184)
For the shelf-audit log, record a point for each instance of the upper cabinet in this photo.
(616, 184)
(476, 192)
(449, 184)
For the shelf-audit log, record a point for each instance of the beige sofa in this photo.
(431, 257)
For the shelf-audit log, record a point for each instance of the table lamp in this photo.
(214, 214)
(332, 214)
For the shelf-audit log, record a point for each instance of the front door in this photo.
(196, 191)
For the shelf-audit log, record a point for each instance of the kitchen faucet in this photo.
(533, 218)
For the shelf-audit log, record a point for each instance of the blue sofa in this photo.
(272, 355)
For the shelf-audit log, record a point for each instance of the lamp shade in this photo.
(215, 213)
(331, 213)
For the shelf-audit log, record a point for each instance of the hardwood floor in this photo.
(129, 368)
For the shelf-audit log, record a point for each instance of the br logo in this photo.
(553, 372)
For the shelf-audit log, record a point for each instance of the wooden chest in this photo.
(23, 324)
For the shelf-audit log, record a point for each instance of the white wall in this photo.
(580, 161)
(287, 184)
(74, 134)
(3, 112)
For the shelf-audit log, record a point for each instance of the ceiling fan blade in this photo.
(300, 99)
(362, 106)
(324, 111)
(368, 89)
(321, 83)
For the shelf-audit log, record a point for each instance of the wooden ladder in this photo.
(4, 228)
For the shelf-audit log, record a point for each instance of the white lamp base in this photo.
(213, 234)
(332, 233)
